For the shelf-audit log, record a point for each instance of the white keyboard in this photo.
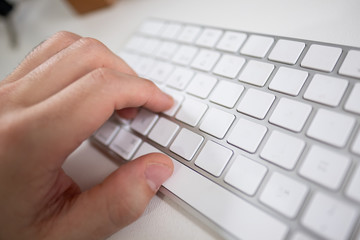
(264, 133)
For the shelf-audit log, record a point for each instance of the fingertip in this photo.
(159, 158)
(169, 99)
(120, 199)
(161, 102)
(159, 168)
(158, 171)
(156, 175)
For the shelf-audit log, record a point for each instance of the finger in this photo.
(41, 53)
(73, 114)
(116, 202)
(83, 56)
(128, 113)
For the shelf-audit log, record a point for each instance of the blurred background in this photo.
(35, 20)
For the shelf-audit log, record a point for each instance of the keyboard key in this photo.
(150, 45)
(287, 51)
(256, 73)
(160, 71)
(125, 144)
(209, 37)
(353, 102)
(144, 65)
(186, 144)
(353, 189)
(329, 218)
(257, 46)
(290, 114)
(189, 34)
(351, 64)
(229, 66)
(226, 93)
(325, 167)
(152, 27)
(284, 195)
(326, 90)
(245, 175)
(144, 149)
(185, 182)
(178, 99)
(179, 78)
(163, 131)
(256, 103)
(191, 112)
(283, 149)
(216, 122)
(355, 148)
(144, 121)
(301, 236)
(107, 132)
(135, 43)
(201, 85)
(231, 41)
(130, 58)
(213, 158)
(171, 30)
(122, 120)
(185, 55)
(205, 60)
(166, 50)
(247, 135)
(288, 81)
(331, 127)
(321, 57)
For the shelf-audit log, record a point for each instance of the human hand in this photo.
(58, 96)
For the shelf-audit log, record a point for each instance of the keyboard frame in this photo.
(254, 200)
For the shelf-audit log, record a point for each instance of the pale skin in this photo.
(59, 95)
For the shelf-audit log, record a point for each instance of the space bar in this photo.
(230, 212)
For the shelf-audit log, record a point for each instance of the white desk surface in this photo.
(334, 21)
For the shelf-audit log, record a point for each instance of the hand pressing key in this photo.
(58, 96)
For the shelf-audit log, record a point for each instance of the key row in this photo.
(320, 165)
(319, 57)
(322, 89)
(328, 126)
(325, 168)
(284, 195)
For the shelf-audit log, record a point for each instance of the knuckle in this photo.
(150, 85)
(62, 38)
(65, 36)
(91, 44)
(101, 76)
(95, 51)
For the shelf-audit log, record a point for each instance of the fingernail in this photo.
(156, 174)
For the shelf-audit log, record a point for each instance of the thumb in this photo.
(119, 200)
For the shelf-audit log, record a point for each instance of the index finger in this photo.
(72, 115)
(41, 53)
